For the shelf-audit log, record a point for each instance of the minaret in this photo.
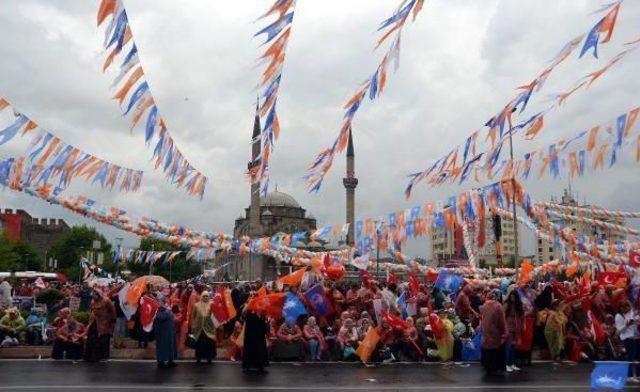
(254, 209)
(350, 183)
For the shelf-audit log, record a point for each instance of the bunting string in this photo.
(136, 101)
(48, 159)
(498, 128)
(278, 34)
(372, 87)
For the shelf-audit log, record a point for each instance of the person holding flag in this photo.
(627, 329)
(102, 318)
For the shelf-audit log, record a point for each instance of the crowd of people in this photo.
(496, 321)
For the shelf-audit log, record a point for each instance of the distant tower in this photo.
(254, 209)
(350, 183)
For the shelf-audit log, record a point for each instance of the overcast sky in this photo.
(460, 63)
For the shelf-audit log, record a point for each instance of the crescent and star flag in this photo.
(609, 375)
(293, 308)
(368, 345)
(148, 308)
(613, 278)
(318, 301)
(634, 258)
(268, 304)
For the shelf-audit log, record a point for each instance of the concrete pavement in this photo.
(52, 376)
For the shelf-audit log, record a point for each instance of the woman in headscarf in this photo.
(165, 331)
(102, 319)
(290, 345)
(69, 340)
(6, 300)
(348, 338)
(314, 338)
(203, 329)
(494, 334)
(514, 315)
(36, 324)
(555, 322)
(254, 354)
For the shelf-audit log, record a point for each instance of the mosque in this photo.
(279, 212)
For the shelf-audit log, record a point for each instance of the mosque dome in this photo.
(278, 199)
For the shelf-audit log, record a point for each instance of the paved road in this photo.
(51, 376)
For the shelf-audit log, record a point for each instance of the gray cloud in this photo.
(460, 63)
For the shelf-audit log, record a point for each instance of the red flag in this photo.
(391, 278)
(432, 276)
(596, 329)
(414, 283)
(148, 308)
(219, 312)
(634, 258)
(395, 321)
(269, 304)
(615, 278)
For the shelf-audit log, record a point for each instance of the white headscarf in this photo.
(5, 294)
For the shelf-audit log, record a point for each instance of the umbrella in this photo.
(156, 281)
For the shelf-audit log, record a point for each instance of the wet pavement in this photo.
(48, 375)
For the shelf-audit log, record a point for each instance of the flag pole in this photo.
(516, 263)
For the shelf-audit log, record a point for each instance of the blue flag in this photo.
(402, 304)
(316, 298)
(293, 308)
(448, 281)
(471, 348)
(612, 375)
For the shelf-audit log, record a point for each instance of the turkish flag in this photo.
(614, 278)
(391, 278)
(634, 258)
(269, 304)
(395, 321)
(219, 312)
(414, 283)
(148, 308)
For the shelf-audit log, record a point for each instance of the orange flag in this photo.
(368, 345)
(270, 305)
(525, 273)
(261, 291)
(229, 302)
(135, 291)
(293, 279)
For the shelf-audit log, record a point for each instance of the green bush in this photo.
(82, 317)
(49, 297)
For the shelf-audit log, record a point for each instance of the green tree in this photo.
(70, 249)
(180, 268)
(17, 256)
